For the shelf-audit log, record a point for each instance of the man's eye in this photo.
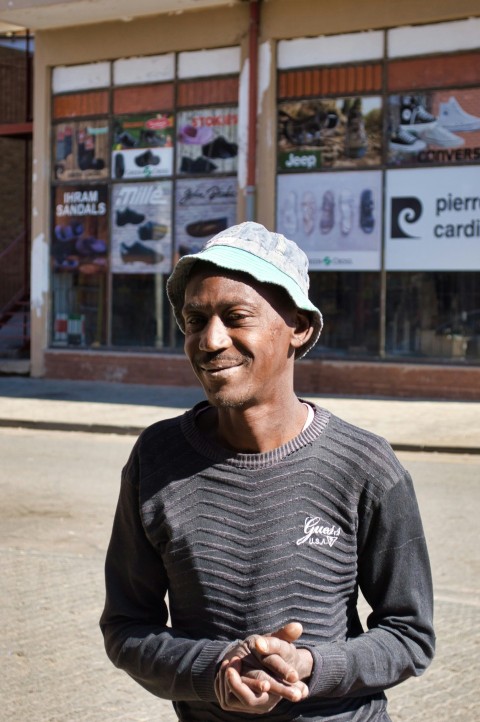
(193, 321)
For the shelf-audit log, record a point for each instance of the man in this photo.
(262, 516)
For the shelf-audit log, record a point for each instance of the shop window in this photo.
(434, 315)
(143, 171)
(350, 304)
(140, 311)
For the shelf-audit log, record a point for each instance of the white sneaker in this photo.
(454, 117)
(441, 137)
(346, 211)
(404, 142)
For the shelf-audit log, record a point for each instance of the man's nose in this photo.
(214, 335)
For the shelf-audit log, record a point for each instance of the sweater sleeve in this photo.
(134, 621)
(395, 579)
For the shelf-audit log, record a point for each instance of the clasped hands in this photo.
(263, 669)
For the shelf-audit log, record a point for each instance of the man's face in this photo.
(238, 337)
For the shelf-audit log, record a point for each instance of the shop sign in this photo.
(80, 150)
(441, 126)
(80, 229)
(329, 133)
(203, 207)
(432, 219)
(141, 227)
(207, 141)
(335, 218)
(142, 146)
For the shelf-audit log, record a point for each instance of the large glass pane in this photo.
(79, 309)
(434, 315)
(140, 310)
(350, 305)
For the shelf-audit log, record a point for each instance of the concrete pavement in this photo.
(128, 408)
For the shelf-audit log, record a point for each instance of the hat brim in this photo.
(239, 260)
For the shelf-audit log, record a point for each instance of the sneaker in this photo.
(150, 138)
(346, 212)
(152, 231)
(126, 140)
(199, 165)
(404, 142)
(128, 216)
(367, 221)
(138, 253)
(327, 216)
(441, 137)
(119, 165)
(356, 141)
(453, 117)
(220, 148)
(413, 116)
(200, 229)
(147, 158)
(309, 211)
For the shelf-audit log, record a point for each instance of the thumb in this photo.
(289, 633)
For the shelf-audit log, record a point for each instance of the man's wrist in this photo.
(305, 665)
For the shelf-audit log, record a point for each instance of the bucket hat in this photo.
(266, 256)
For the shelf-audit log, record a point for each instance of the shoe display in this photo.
(441, 137)
(220, 148)
(138, 253)
(346, 211)
(199, 165)
(90, 246)
(150, 138)
(356, 141)
(119, 165)
(126, 140)
(146, 158)
(195, 136)
(289, 214)
(200, 229)
(404, 142)
(129, 216)
(69, 232)
(367, 221)
(184, 250)
(307, 131)
(152, 231)
(413, 116)
(327, 216)
(309, 211)
(453, 117)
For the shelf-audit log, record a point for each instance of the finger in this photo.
(242, 691)
(291, 692)
(280, 668)
(289, 632)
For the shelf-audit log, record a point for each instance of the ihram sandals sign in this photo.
(432, 220)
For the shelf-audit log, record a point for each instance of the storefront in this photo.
(367, 153)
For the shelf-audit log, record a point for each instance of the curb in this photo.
(136, 431)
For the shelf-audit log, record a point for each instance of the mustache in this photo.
(214, 360)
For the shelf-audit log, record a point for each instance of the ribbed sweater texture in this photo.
(244, 543)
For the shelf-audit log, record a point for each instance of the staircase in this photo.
(15, 300)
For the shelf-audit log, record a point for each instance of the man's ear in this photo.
(303, 329)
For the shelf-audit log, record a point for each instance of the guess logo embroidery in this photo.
(315, 532)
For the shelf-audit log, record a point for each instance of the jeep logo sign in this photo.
(305, 160)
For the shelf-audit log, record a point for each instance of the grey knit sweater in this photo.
(244, 543)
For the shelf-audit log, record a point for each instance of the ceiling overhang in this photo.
(16, 15)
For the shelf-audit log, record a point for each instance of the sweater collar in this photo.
(218, 454)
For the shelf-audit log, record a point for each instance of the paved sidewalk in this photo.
(128, 408)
